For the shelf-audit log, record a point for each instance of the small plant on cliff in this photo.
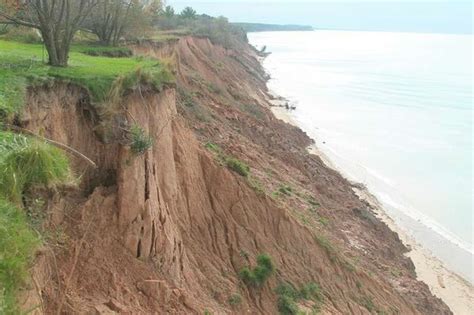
(285, 189)
(213, 147)
(235, 299)
(324, 243)
(257, 276)
(17, 245)
(288, 296)
(140, 142)
(237, 166)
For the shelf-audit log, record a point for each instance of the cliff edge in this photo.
(169, 231)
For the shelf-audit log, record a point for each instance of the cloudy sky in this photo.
(444, 16)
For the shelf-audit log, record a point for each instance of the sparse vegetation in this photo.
(254, 110)
(237, 166)
(140, 142)
(285, 189)
(366, 301)
(256, 185)
(324, 243)
(25, 163)
(288, 296)
(17, 246)
(235, 299)
(257, 276)
(311, 201)
(244, 254)
(232, 163)
(323, 220)
(213, 147)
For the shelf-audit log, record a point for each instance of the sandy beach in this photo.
(456, 292)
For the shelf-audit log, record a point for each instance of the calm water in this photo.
(394, 111)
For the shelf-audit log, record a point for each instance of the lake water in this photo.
(393, 111)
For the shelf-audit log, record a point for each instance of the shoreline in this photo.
(454, 290)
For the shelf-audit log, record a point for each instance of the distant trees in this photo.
(169, 11)
(112, 19)
(188, 13)
(57, 21)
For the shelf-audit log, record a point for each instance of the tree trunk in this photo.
(57, 55)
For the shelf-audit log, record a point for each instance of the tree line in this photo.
(110, 20)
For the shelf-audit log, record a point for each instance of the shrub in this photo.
(213, 147)
(312, 201)
(237, 166)
(27, 162)
(288, 296)
(311, 291)
(256, 186)
(367, 302)
(287, 305)
(260, 273)
(324, 221)
(285, 189)
(113, 52)
(235, 299)
(324, 243)
(253, 109)
(17, 246)
(140, 142)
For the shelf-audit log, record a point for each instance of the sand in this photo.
(456, 292)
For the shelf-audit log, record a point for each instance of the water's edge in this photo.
(450, 287)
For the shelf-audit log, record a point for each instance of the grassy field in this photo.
(23, 65)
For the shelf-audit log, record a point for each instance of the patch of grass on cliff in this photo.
(257, 276)
(289, 296)
(140, 141)
(237, 166)
(235, 300)
(25, 163)
(22, 66)
(17, 246)
(232, 163)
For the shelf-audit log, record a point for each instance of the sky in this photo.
(442, 16)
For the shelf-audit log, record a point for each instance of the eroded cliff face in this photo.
(167, 232)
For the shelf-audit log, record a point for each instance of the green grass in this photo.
(22, 66)
(324, 243)
(213, 147)
(285, 189)
(140, 141)
(288, 296)
(235, 299)
(26, 162)
(257, 276)
(237, 166)
(17, 245)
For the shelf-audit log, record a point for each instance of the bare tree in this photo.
(57, 21)
(109, 19)
(112, 19)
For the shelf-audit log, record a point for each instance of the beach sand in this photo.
(456, 292)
